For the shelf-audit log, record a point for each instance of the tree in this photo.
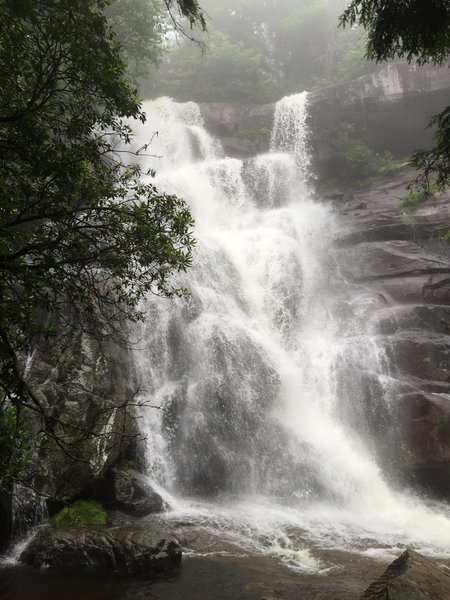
(416, 30)
(79, 226)
(227, 72)
(284, 46)
(140, 26)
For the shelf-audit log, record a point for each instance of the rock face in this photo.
(131, 549)
(400, 96)
(389, 109)
(244, 129)
(84, 385)
(398, 257)
(411, 577)
(129, 491)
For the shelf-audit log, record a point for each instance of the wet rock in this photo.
(432, 289)
(423, 424)
(422, 354)
(394, 258)
(397, 318)
(396, 253)
(130, 549)
(396, 95)
(84, 384)
(128, 491)
(6, 515)
(380, 215)
(411, 577)
(133, 494)
(243, 129)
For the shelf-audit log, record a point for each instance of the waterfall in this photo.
(254, 424)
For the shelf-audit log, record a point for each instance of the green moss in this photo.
(83, 512)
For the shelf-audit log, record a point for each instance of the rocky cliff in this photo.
(84, 385)
(394, 256)
(397, 257)
(389, 109)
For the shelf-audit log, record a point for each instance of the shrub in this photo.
(416, 196)
(352, 161)
(83, 512)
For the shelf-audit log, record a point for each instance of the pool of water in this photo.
(212, 578)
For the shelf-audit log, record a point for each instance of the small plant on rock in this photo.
(82, 512)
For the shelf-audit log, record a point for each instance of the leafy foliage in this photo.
(82, 233)
(416, 196)
(140, 26)
(435, 163)
(258, 52)
(411, 29)
(352, 161)
(417, 30)
(15, 442)
(229, 70)
(82, 512)
(189, 9)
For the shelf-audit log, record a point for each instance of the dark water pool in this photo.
(218, 578)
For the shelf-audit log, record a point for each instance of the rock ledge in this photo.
(131, 549)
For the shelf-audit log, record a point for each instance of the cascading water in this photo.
(251, 433)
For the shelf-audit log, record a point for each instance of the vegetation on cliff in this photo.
(83, 233)
(416, 30)
(352, 162)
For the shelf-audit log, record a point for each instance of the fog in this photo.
(257, 51)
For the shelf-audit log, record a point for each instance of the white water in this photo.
(251, 372)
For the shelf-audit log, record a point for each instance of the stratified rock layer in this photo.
(396, 258)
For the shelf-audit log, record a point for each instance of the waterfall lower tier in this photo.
(255, 383)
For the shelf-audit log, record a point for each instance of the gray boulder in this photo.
(131, 549)
(411, 577)
(133, 494)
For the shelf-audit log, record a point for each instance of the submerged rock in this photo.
(131, 549)
(411, 577)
